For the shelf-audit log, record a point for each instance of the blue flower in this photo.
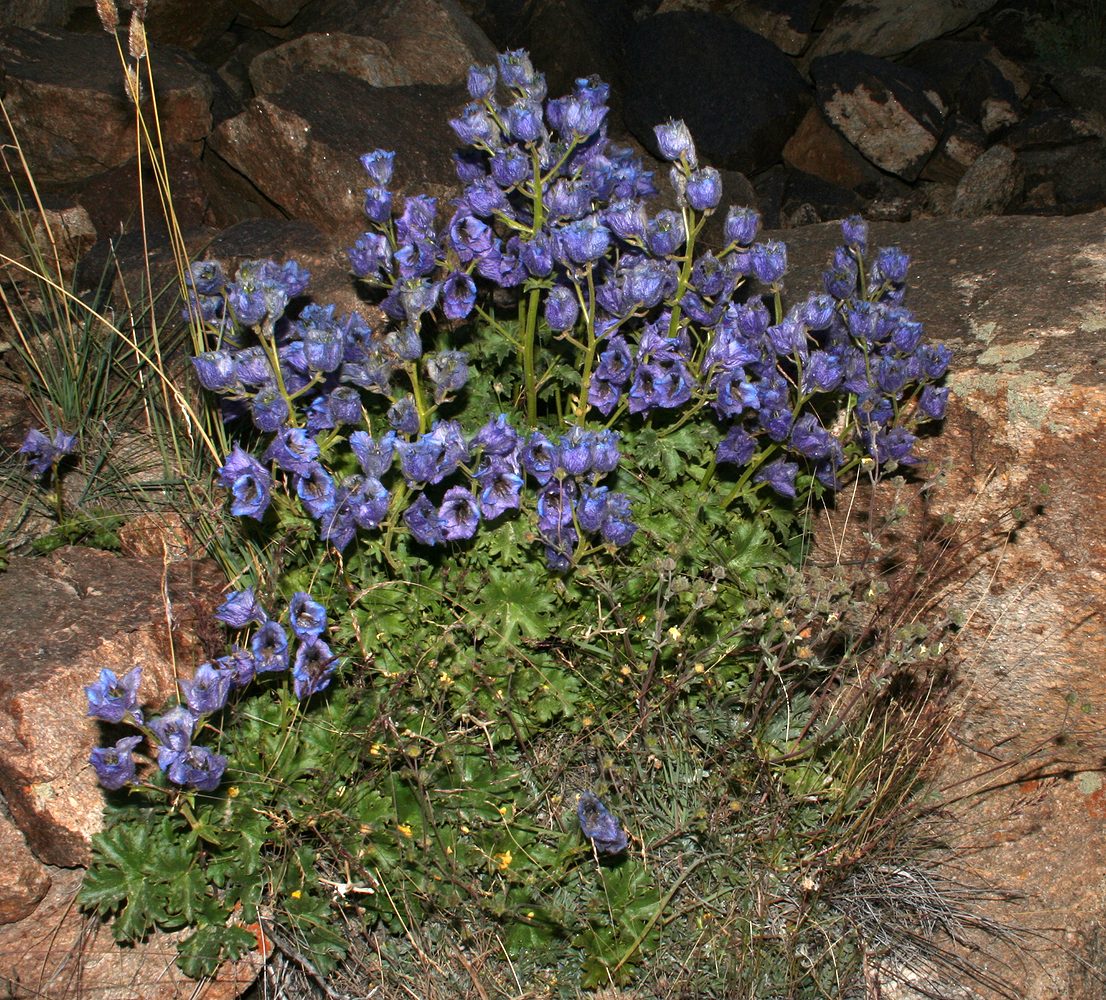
(736, 448)
(665, 233)
(584, 240)
(173, 732)
(240, 664)
(780, 475)
(371, 255)
(500, 488)
(674, 142)
(316, 490)
(199, 767)
(769, 261)
(269, 646)
(207, 691)
(433, 456)
(539, 457)
(741, 226)
(306, 616)
(459, 514)
(403, 416)
(241, 608)
(368, 502)
(422, 521)
(458, 295)
(374, 456)
(599, 826)
(378, 204)
(313, 668)
(293, 450)
(111, 698)
(42, 453)
(378, 164)
(498, 437)
(704, 189)
(561, 308)
(215, 370)
(475, 126)
(269, 409)
(481, 82)
(855, 231)
(114, 766)
(575, 451)
(449, 371)
(933, 402)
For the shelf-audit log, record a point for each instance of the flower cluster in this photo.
(357, 419)
(115, 700)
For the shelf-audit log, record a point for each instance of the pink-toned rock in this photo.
(56, 953)
(301, 148)
(65, 618)
(990, 185)
(26, 879)
(1020, 301)
(818, 149)
(359, 56)
(65, 93)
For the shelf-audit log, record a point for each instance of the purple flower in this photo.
(241, 608)
(207, 691)
(374, 456)
(370, 255)
(449, 371)
(599, 826)
(539, 457)
(736, 448)
(215, 370)
(269, 646)
(42, 453)
(378, 204)
(475, 126)
(240, 664)
(933, 402)
(313, 668)
(173, 732)
(500, 488)
(893, 445)
(378, 164)
(537, 255)
(403, 416)
(891, 265)
(604, 451)
(575, 451)
(497, 437)
(810, 439)
(368, 502)
(704, 189)
(555, 506)
(561, 308)
(111, 698)
(198, 767)
(115, 765)
(515, 69)
(317, 491)
(343, 406)
(780, 475)
(459, 514)
(584, 240)
(665, 233)
(293, 450)
(306, 616)
(435, 455)
(481, 82)
(855, 231)
(524, 121)
(458, 295)
(422, 521)
(741, 226)
(769, 261)
(674, 142)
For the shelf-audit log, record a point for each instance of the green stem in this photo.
(529, 337)
(589, 354)
(416, 389)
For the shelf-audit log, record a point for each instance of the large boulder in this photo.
(1022, 492)
(66, 618)
(301, 148)
(738, 93)
(66, 94)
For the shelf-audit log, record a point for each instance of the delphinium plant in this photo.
(535, 514)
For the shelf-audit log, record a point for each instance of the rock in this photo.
(739, 95)
(26, 878)
(435, 41)
(272, 14)
(187, 24)
(66, 617)
(970, 80)
(32, 13)
(1075, 175)
(820, 150)
(1049, 128)
(991, 184)
(66, 92)
(56, 952)
(367, 59)
(963, 144)
(1084, 88)
(58, 236)
(891, 27)
(787, 24)
(301, 148)
(790, 198)
(890, 113)
(1019, 301)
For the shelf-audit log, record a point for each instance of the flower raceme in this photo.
(115, 699)
(554, 215)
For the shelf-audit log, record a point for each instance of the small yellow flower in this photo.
(502, 810)
(405, 830)
(586, 721)
(296, 894)
(445, 680)
(504, 860)
(626, 671)
(675, 634)
(233, 792)
(699, 668)
(376, 749)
